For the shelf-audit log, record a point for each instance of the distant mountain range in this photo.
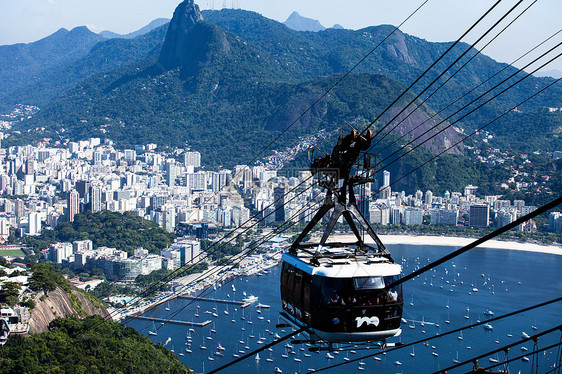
(226, 81)
(35, 73)
(151, 26)
(300, 23)
(549, 73)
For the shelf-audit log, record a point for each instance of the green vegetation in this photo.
(45, 278)
(90, 345)
(264, 80)
(107, 289)
(144, 281)
(222, 250)
(107, 229)
(12, 252)
(9, 293)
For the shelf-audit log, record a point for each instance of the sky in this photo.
(23, 21)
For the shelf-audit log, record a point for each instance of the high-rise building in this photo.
(72, 204)
(279, 199)
(428, 198)
(19, 208)
(386, 178)
(385, 192)
(82, 188)
(34, 223)
(479, 215)
(413, 216)
(444, 217)
(192, 159)
(95, 199)
(171, 173)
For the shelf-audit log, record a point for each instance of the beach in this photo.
(452, 241)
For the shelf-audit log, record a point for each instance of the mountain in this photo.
(224, 82)
(89, 345)
(95, 56)
(146, 29)
(25, 64)
(549, 73)
(300, 23)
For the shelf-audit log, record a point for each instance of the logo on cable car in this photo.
(368, 320)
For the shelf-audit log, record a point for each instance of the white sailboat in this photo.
(153, 331)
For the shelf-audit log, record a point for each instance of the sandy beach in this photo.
(452, 241)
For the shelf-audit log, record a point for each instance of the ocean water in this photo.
(506, 281)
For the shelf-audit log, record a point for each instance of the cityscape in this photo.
(221, 191)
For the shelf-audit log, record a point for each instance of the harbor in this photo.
(173, 321)
(440, 301)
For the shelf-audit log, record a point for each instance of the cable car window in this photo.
(368, 283)
(395, 293)
(333, 291)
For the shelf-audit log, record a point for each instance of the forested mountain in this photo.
(225, 81)
(58, 62)
(25, 64)
(90, 345)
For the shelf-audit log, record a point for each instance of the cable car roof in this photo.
(342, 263)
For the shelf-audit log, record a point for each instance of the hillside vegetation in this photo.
(123, 231)
(91, 345)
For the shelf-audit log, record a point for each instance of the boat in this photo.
(488, 313)
(397, 363)
(250, 299)
(153, 331)
(413, 353)
(329, 356)
(167, 308)
(277, 370)
(435, 354)
(487, 326)
(456, 360)
(525, 359)
(262, 306)
(257, 358)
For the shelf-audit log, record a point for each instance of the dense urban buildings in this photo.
(43, 186)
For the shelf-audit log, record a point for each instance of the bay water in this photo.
(452, 295)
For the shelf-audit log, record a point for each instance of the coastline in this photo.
(455, 241)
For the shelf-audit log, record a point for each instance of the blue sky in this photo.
(439, 20)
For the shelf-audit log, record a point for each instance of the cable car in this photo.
(337, 291)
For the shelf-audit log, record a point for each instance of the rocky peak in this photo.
(179, 39)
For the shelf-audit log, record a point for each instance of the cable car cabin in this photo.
(340, 296)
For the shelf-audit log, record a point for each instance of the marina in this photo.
(242, 304)
(173, 321)
(242, 331)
